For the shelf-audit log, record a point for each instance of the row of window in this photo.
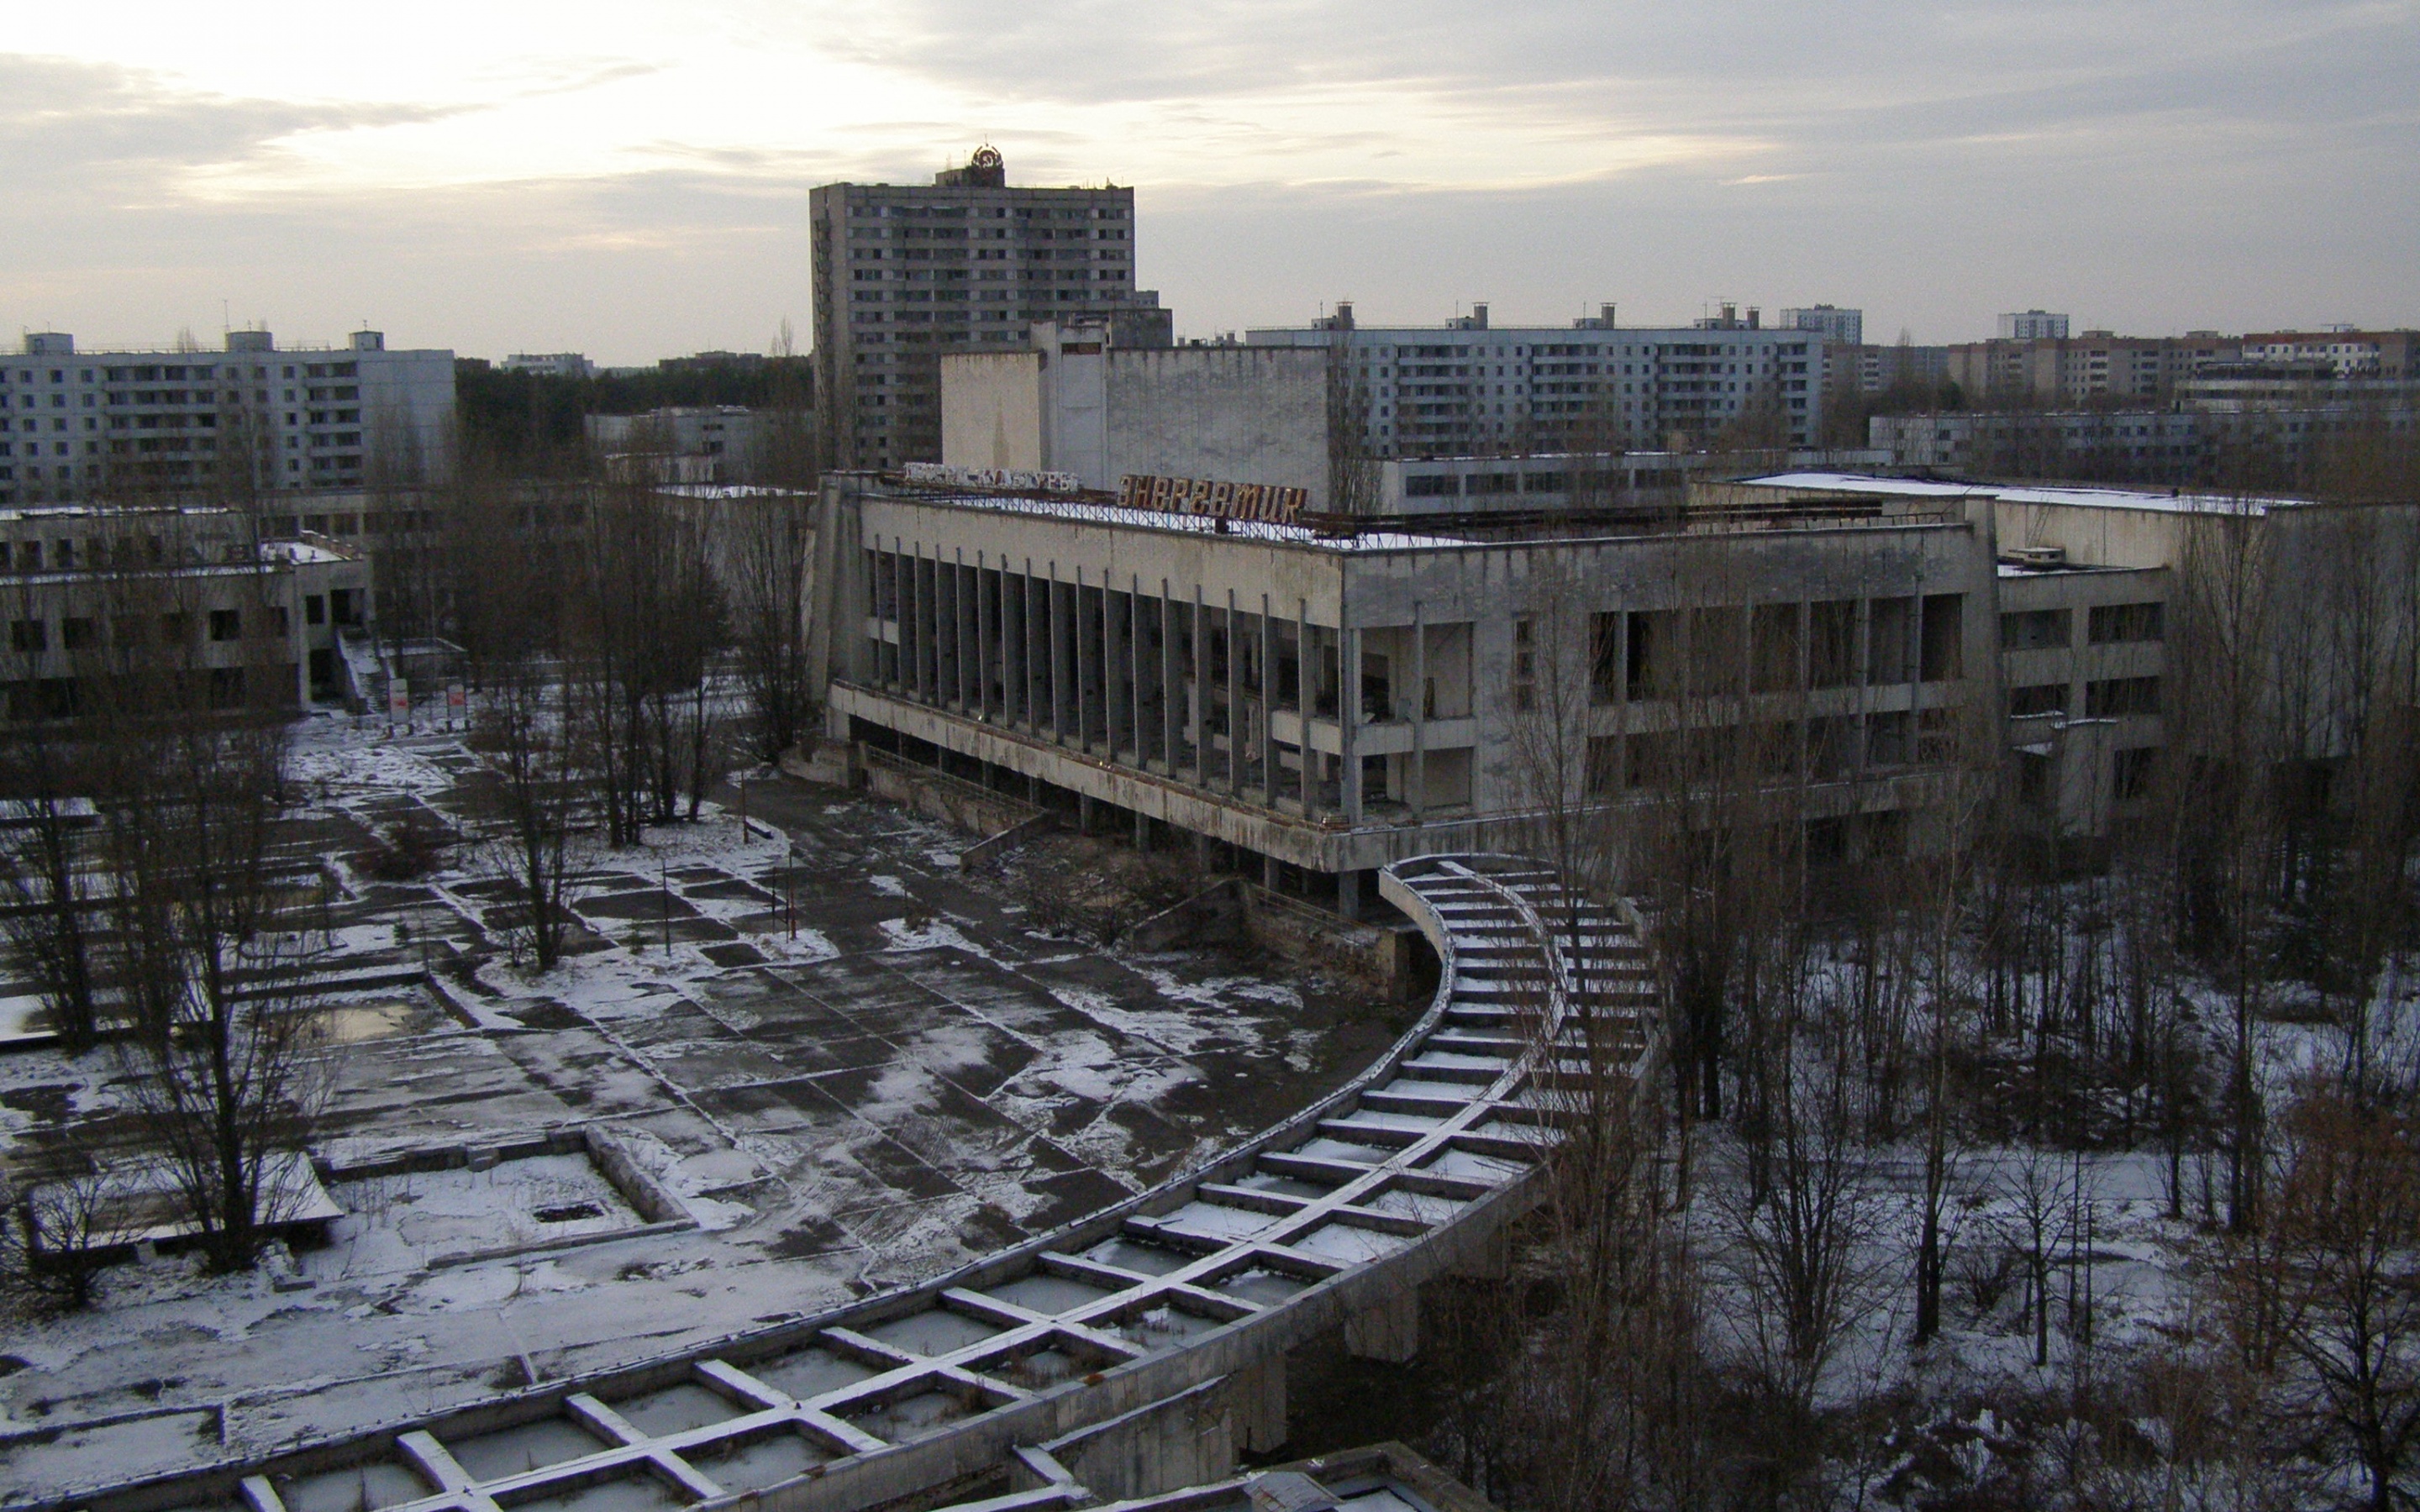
(2107, 698)
(188, 373)
(2046, 629)
(80, 632)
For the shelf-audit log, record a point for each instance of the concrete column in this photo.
(1348, 722)
(1168, 708)
(1304, 698)
(1033, 626)
(962, 604)
(1079, 632)
(1389, 1330)
(1236, 722)
(1058, 654)
(1197, 695)
(911, 626)
(895, 653)
(1418, 778)
(1269, 872)
(986, 635)
(1268, 706)
(1134, 654)
(1348, 893)
(1112, 663)
(1141, 831)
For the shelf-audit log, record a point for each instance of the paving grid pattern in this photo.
(918, 1082)
(1447, 1124)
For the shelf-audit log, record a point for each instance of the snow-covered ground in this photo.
(859, 1092)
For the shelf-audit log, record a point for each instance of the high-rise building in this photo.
(1845, 328)
(79, 427)
(904, 273)
(2033, 324)
(1470, 388)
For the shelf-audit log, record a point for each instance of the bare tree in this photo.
(769, 548)
(523, 732)
(2328, 1301)
(207, 940)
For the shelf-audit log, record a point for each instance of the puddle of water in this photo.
(358, 1023)
(1146, 1259)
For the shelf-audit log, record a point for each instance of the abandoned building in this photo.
(261, 619)
(1332, 703)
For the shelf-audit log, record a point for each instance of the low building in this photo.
(2085, 593)
(549, 364)
(118, 426)
(683, 444)
(264, 619)
(1075, 401)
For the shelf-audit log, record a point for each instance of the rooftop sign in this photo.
(1273, 503)
(946, 476)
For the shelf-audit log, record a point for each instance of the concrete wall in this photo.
(1236, 413)
(1078, 404)
(991, 410)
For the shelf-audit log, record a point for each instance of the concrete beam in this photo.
(1388, 1329)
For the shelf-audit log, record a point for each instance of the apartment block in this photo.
(904, 274)
(1468, 388)
(78, 427)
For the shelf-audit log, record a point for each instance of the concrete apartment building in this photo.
(2033, 324)
(75, 580)
(904, 273)
(1332, 703)
(2348, 353)
(2148, 445)
(2097, 366)
(1838, 326)
(88, 426)
(1468, 388)
(1074, 401)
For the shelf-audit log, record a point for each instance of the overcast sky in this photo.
(630, 179)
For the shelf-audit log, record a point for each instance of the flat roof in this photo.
(1078, 512)
(2020, 493)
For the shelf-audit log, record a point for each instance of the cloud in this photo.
(2152, 163)
(106, 135)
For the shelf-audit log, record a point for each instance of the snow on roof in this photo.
(1073, 510)
(2013, 493)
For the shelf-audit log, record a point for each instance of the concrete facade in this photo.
(261, 619)
(904, 273)
(1332, 704)
(1466, 388)
(85, 426)
(1076, 402)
